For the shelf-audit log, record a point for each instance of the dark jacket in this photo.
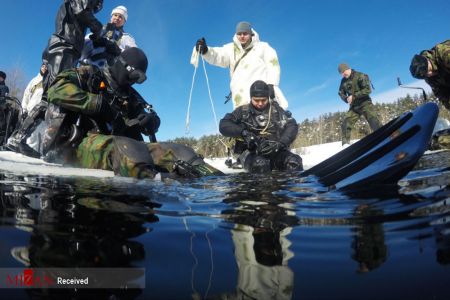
(73, 19)
(281, 126)
(3, 89)
(357, 85)
(66, 43)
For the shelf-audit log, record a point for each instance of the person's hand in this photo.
(268, 147)
(250, 139)
(350, 99)
(97, 41)
(201, 46)
(271, 91)
(149, 122)
(112, 48)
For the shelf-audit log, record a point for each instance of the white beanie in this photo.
(122, 10)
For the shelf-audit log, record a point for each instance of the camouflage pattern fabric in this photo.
(67, 92)
(98, 151)
(173, 158)
(357, 85)
(365, 109)
(131, 158)
(439, 56)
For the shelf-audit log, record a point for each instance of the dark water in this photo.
(236, 237)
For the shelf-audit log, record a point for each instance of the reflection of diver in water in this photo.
(261, 245)
(72, 232)
(370, 250)
(262, 257)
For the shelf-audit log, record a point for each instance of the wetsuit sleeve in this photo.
(290, 132)
(231, 125)
(85, 15)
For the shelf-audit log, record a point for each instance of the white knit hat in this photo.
(121, 10)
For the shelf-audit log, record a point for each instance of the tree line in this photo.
(324, 129)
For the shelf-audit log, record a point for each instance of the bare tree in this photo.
(16, 82)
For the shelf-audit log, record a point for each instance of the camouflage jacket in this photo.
(79, 90)
(357, 85)
(439, 57)
(273, 123)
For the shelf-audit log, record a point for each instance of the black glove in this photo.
(250, 139)
(149, 122)
(97, 41)
(201, 46)
(271, 91)
(112, 48)
(268, 147)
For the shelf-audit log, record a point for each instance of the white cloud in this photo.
(319, 87)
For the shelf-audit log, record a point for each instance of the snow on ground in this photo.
(18, 163)
(312, 155)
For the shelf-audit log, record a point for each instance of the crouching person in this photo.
(264, 132)
(100, 121)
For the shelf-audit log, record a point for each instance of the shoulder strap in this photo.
(237, 63)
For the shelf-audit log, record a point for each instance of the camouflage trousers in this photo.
(130, 158)
(365, 109)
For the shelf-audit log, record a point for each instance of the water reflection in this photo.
(437, 217)
(236, 237)
(369, 247)
(263, 222)
(71, 230)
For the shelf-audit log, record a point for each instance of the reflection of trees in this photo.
(263, 222)
(369, 247)
(76, 230)
(440, 208)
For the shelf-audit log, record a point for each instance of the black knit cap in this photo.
(3, 74)
(419, 66)
(259, 89)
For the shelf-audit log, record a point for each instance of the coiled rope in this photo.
(188, 114)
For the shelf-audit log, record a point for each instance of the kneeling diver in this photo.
(264, 132)
(95, 119)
